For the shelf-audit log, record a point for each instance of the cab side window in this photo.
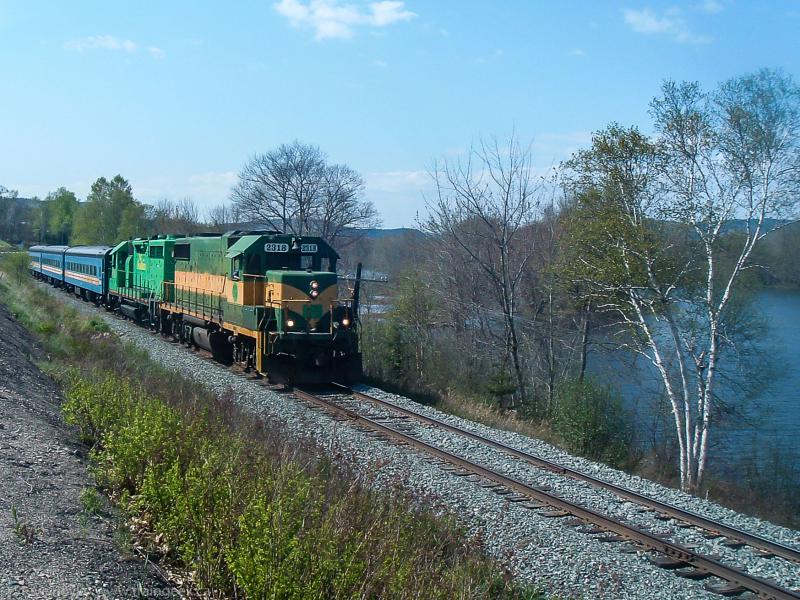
(254, 264)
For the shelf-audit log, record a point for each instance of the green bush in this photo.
(16, 265)
(590, 421)
(256, 525)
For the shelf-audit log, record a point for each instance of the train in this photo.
(266, 300)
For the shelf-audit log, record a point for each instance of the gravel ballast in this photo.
(540, 550)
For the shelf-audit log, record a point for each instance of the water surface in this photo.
(763, 422)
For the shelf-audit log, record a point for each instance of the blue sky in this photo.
(176, 96)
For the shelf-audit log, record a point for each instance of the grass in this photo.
(228, 498)
(91, 501)
(24, 530)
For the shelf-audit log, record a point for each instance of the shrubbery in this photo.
(585, 418)
(590, 421)
(15, 264)
(256, 525)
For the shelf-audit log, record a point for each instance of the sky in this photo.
(176, 96)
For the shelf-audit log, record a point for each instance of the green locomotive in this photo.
(267, 300)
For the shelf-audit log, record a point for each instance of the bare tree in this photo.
(481, 209)
(292, 188)
(342, 209)
(167, 216)
(223, 215)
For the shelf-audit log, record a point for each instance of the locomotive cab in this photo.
(309, 332)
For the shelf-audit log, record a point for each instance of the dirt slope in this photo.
(53, 548)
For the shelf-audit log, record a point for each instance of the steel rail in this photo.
(752, 540)
(765, 588)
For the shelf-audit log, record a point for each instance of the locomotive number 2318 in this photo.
(276, 247)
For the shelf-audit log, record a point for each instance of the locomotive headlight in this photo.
(314, 293)
(345, 321)
(290, 323)
(314, 285)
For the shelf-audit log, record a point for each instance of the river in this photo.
(766, 423)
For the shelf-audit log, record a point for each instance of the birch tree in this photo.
(653, 225)
(481, 210)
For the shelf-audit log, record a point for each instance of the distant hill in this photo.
(397, 231)
(23, 202)
(741, 224)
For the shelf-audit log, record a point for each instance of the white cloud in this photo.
(671, 24)
(577, 52)
(397, 181)
(497, 54)
(104, 42)
(381, 64)
(207, 189)
(155, 52)
(711, 7)
(399, 195)
(110, 42)
(332, 19)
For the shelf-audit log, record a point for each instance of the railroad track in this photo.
(684, 559)
(765, 547)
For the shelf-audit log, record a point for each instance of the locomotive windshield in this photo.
(294, 262)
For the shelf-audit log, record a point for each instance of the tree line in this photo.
(293, 188)
(110, 213)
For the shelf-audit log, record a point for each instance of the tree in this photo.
(294, 189)
(62, 208)
(167, 216)
(222, 216)
(650, 225)
(14, 218)
(40, 217)
(109, 214)
(131, 222)
(341, 207)
(482, 210)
